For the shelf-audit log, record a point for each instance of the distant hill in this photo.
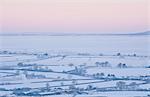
(130, 34)
(143, 33)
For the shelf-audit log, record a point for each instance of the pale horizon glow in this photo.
(74, 16)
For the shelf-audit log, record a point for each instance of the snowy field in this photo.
(75, 66)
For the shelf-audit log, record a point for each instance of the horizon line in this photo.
(69, 34)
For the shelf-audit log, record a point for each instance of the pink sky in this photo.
(74, 16)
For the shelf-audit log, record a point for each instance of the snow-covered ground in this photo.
(75, 66)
